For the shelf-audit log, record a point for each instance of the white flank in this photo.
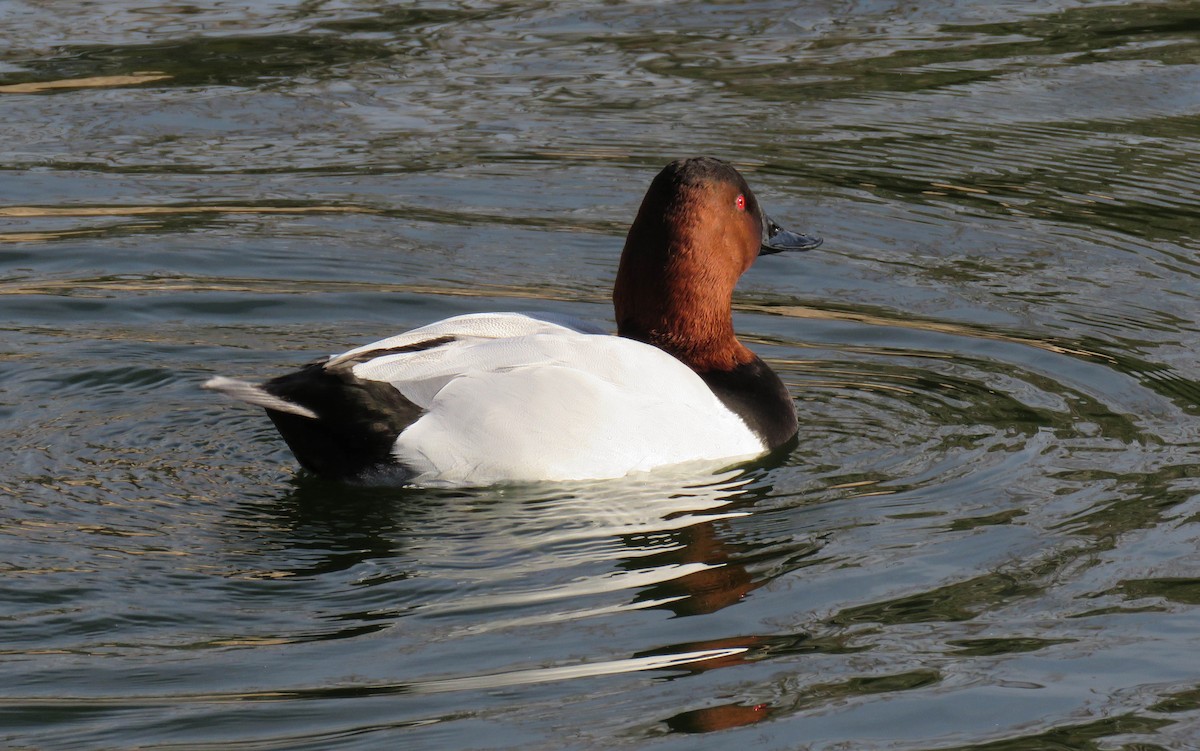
(515, 398)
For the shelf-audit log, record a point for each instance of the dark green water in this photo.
(987, 537)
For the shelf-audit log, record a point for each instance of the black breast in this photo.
(753, 392)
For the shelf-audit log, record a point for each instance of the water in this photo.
(986, 537)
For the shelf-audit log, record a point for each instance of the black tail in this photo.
(356, 424)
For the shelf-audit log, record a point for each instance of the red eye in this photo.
(740, 202)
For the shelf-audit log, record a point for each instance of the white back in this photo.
(514, 397)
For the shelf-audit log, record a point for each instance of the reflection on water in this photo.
(985, 535)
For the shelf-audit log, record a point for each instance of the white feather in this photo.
(476, 326)
(513, 397)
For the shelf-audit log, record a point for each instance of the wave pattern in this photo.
(984, 537)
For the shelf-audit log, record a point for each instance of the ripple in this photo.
(985, 534)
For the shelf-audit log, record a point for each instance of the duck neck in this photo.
(672, 296)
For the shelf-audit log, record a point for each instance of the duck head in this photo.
(699, 228)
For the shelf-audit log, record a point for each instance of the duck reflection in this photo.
(721, 717)
(665, 539)
(516, 561)
(720, 582)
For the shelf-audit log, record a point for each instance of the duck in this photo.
(492, 398)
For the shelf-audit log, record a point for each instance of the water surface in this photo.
(985, 538)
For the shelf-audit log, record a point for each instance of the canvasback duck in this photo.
(490, 398)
